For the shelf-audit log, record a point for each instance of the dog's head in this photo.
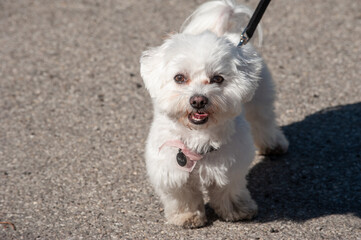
(200, 80)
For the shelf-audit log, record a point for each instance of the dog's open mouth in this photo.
(198, 117)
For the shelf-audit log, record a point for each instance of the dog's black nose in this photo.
(198, 101)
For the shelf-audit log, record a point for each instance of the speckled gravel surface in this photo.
(74, 116)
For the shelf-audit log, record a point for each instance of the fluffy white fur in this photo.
(206, 47)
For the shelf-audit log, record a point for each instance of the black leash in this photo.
(252, 25)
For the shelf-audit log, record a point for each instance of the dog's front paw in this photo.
(188, 219)
(235, 211)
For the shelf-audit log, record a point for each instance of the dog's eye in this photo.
(216, 79)
(180, 78)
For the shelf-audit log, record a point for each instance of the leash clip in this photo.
(244, 39)
(253, 22)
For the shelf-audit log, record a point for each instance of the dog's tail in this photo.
(219, 17)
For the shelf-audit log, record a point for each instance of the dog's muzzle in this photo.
(199, 115)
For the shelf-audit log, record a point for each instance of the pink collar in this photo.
(192, 157)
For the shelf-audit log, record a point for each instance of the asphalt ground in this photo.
(74, 116)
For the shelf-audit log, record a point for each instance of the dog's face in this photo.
(199, 80)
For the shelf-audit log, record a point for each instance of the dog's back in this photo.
(219, 17)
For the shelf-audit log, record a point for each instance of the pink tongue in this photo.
(200, 115)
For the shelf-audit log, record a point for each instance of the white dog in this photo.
(203, 88)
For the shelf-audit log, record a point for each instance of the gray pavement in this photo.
(74, 116)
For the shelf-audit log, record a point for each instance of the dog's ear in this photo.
(151, 66)
(249, 66)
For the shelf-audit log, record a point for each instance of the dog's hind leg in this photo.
(259, 112)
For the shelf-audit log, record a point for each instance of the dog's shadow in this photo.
(321, 173)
